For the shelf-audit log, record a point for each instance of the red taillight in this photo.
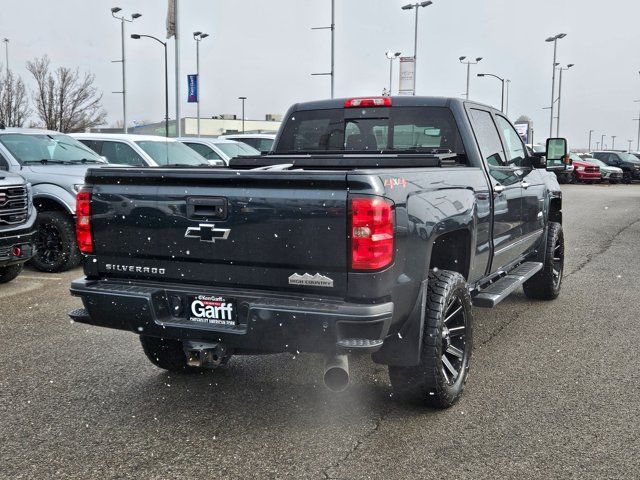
(368, 102)
(371, 233)
(83, 221)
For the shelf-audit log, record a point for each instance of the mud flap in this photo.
(403, 348)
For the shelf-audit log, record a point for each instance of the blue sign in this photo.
(192, 88)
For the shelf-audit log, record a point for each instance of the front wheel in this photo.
(626, 177)
(439, 379)
(545, 285)
(55, 242)
(9, 273)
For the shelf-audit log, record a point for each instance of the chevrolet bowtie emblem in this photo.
(207, 233)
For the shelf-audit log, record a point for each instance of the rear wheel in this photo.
(439, 379)
(626, 177)
(545, 285)
(9, 273)
(169, 354)
(55, 242)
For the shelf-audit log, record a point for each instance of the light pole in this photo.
(391, 56)
(6, 53)
(560, 96)
(613, 142)
(123, 19)
(602, 141)
(629, 149)
(502, 80)
(198, 37)
(590, 132)
(332, 27)
(554, 39)
(243, 100)
(136, 36)
(597, 145)
(638, 120)
(506, 112)
(416, 6)
(468, 63)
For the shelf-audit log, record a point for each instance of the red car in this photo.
(585, 171)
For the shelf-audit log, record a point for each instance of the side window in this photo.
(488, 138)
(4, 165)
(206, 152)
(515, 148)
(118, 152)
(94, 145)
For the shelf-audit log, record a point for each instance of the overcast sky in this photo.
(265, 50)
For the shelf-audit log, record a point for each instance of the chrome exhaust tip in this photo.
(336, 373)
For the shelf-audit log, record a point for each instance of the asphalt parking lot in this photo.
(554, 388)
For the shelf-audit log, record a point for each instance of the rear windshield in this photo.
(392, 130)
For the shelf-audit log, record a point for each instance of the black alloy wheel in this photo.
(454, 345)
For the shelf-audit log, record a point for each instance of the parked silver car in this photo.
(55, 165)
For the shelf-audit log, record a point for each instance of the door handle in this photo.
(498, 189)
(524, 185)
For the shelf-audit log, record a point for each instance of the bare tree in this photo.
(65, 100)
(14, 102)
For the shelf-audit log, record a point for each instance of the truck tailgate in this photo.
(257, 229)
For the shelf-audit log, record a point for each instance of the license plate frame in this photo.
(212, 310)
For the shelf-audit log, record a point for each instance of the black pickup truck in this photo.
(372, 227)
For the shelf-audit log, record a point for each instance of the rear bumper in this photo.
(17, 247)
(266, 322)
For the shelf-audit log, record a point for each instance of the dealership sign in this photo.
(523, 131)
(192, 88)
(407, 76)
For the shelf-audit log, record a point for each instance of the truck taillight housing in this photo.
(83, 221)
(372, 239)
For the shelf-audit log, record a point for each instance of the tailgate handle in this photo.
(200, 208)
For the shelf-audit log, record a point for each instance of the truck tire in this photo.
(169, 355)
(546, 284)
(9, 273)
(447, 339)
(55, 242)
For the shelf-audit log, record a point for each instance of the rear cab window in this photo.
(392, 130)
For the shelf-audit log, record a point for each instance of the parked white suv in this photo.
(259, 141)
(216, 149)
(141, 150)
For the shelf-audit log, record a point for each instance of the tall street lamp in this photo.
(590, 132)
(123, 19)
(468, 63)
(6, 53)
(502, 80)
(629, 149)
(332, 27)
(638, 120)
(554, 39)
(602, 141)
(198, 37)
(613, 142)
(243, 100)
(391, 56)
(416, 7)
(136, 36)
(562, 69)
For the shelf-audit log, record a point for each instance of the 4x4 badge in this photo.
(207, 233)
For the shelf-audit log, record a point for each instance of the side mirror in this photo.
(557, 151)
(538, 160)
